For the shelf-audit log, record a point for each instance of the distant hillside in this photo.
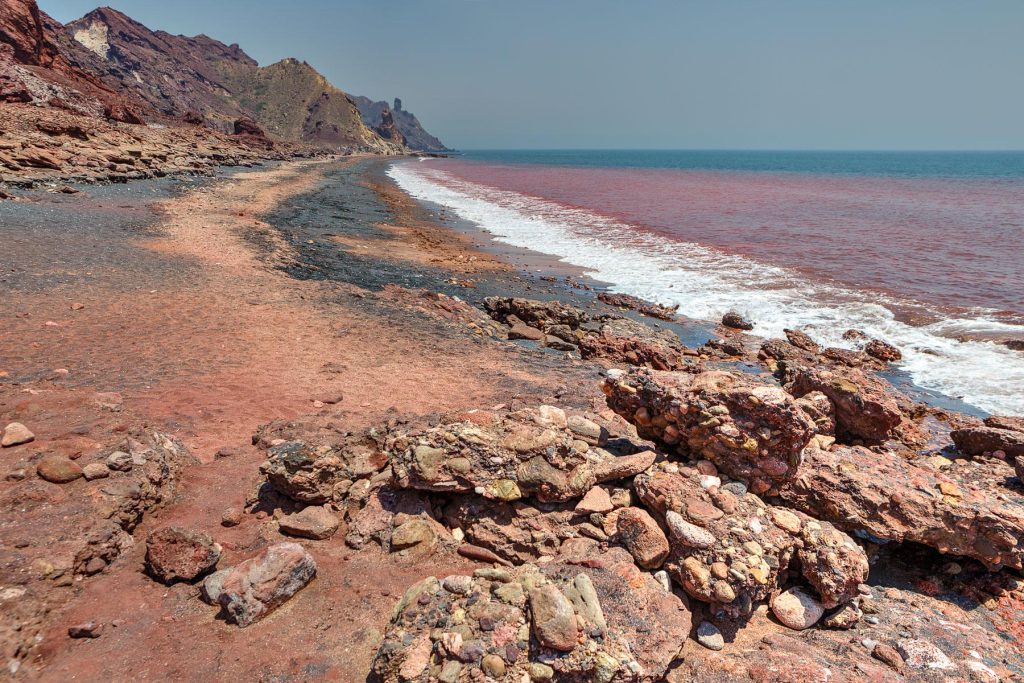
(415, 136)
(202, 78)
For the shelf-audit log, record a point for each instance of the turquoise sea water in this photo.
(899, 164)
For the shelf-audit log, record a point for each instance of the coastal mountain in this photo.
(36, 67)
(205, 80)
(375, 113)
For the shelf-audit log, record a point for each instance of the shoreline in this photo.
(222, 307)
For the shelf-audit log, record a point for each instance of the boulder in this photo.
(320, 471)
(578, 618)
(883, 351)
(749, 429)
(538, 314)
(516, 455)
(16, 434)
(249, 591)
(730, 549)
(982, 440)
(316, 522)
(624, 340)
(882, 495)
(802, 340)
(176, 554)
(58, 469)
(1014, 424)
(639, 305)
(865, 407)
(736, 321)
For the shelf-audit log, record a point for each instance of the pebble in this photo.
(494, 666)
(119, 461)
(595, 500)
(887, 654)
(686, 533)
(709, 636)
(797, 609)
(921, 654)
(16, 434)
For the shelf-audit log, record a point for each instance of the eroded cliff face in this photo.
(34, 68)
(405, 121)
(203, 79)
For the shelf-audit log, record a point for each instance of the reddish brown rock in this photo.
(251, 590)
(538, 314)
(802, 340)
(58, 469)
(751, 430)
(627, 341)
(865, 407)
(642, 537)
(885, 496)
(982, 440)
(521, 454)
(640, 305)
(736, 321)
(1014, 424)
(883, 351)
(736, 558)
(16, 434)
(587, 617)
(315, 522)
(174, 554)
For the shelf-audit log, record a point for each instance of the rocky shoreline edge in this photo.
(740, 509)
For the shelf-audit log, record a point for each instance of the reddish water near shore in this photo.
(949, 242)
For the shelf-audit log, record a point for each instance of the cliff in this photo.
(406, 122)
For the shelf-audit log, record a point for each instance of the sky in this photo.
(670, 74)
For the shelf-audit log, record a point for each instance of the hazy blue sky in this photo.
(826, 74)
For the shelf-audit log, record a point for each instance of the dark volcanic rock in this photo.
(539, 314)
(751, 430)
(736, 321)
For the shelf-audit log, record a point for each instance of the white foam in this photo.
(706, 283)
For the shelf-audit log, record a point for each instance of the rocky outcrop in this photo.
(883, 496)
(533, 453)
(750, 430)
(988, 440)
(587, 616)
(639, 305)
(865, 407)
(730, 549)
(627, 341)
(388, 130)
(416, 138)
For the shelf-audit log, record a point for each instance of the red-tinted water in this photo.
(951, 243)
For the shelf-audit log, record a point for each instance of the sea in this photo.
(924, 250)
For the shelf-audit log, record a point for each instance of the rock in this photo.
(416, 532)
(58, 469)
(921, 654)
(889, 655)
(16, 434)
(537, 314)
(636, 304)
(319, 473)
(736, 321)
(737, 558)
(750, 430)
(595, 500)
(89, 629)
(119, 461)
(95, 470)
(1018, 468)
(1014, 424)
(176, 554)
(607, 620)
(231, 516)
(865, 407)
(981, 440)
(586, 430)
(883, 351)
(709, 636)
(883, 495)
(846, 617)
(642, 537)
(315, 522)
(554, 622)
(802, 340)
(797, 609)
(520, 330)
(251, 590)
(513, 456)
(623, 340)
